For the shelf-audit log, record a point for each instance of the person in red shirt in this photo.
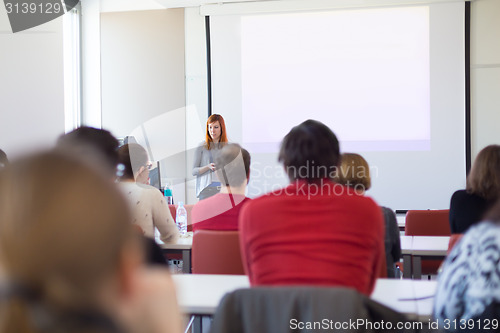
(314, 231)
(221, 211)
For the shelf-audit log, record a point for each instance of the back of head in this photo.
(88, 141)
(484, 176)
(233, 165)
(133, 156)
(354, 172)
(310, 151)
(63, 227)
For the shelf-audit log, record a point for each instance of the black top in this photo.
(466, 209)
(392, 242)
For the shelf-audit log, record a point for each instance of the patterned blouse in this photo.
(469, 284)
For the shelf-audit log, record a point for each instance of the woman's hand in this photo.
(211, 166)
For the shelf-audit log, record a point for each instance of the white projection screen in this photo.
(389, 81)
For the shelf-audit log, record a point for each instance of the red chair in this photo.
(216, 252)
(428, 223)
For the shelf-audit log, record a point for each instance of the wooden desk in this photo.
(414, 248)
(183, 245)
(200, 294)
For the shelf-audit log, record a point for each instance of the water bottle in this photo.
(181, 218)
(169, 198)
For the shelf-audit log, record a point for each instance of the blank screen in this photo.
(388, 81)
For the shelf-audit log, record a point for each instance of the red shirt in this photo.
(313, 235)
(219, 212)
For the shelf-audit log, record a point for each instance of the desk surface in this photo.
(425, 245)
(200, 294)
(183, 243)
(430, 245)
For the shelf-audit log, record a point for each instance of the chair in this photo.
(454, 238)
(285, 309)
(428, 223)
(216, 252)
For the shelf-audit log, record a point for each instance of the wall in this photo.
(485, 74)
(31, 86)
(143, 87)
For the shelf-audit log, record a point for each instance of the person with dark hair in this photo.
(354, 172)
(314, 231)
(221, 211)
(149, 208)
(4, 161)
(70, 260)
(468, 206)
(204, 158)
(89, 141)
(468, 288)
(100, 148)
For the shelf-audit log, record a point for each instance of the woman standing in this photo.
(148, 205)
(207, 183)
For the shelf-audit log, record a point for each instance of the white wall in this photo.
(143, 86)
(485, 74)
(31, 86)
(196, 90)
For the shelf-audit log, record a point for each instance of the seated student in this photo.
(354, 172)
(70, 259)
(468, 291)
(315, 231)
(468, 206)
(99, 147)
(149, 208)
(221, 211)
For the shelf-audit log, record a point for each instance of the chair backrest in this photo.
(427, 223)
(173, 211)
(216, 252)
(454, 238)
(286, 309)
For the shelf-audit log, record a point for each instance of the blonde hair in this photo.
(484, 176)
(63, 228)
(354, 171)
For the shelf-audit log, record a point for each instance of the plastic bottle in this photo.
(181, 218)
(169, 198)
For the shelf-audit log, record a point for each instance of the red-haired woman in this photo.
(207, 183)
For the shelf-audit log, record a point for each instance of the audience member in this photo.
(221, 211)
(469, 283)
(100, 148)
(149, 208)
(207, 184)
(354, 172)
(468, 206)
(70, 258)
(314, 231)
(96, 145)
